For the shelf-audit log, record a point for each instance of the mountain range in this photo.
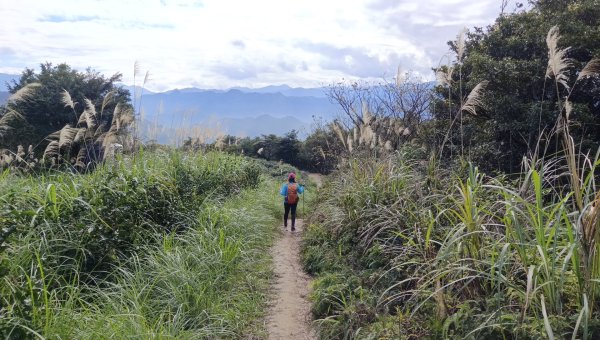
(237, 111)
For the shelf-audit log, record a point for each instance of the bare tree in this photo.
(385, 114)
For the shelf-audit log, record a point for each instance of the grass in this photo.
(398, 254)
(403, 247)
(155, 246)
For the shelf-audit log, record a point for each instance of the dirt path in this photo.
(316, 178)
(289, 316)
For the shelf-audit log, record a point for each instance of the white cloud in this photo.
(217, 43)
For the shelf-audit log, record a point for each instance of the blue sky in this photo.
(222, 44)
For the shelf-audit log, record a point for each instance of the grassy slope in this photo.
(152, 247)
(208, 282)
(404, 249)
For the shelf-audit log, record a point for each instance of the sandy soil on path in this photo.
(317, 178)
(289, 316)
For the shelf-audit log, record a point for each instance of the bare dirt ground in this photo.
(316, 178)
(289, 316)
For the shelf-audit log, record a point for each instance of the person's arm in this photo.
(283, 190)
(300, 188)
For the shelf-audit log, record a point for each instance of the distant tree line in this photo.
(317, 153)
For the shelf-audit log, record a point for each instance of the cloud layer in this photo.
(220, 43)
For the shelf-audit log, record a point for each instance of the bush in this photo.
(63, 233)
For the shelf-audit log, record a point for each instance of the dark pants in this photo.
(289, 207)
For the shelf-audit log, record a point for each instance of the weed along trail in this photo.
(289, 316)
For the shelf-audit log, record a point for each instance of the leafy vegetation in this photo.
(146, 246)
(450, 254)
(318, 153)
(519, 106)
(418, 242)
(48, 109)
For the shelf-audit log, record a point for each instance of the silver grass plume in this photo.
(444, 78)
(558, 63)
(591, 69)
(461, 44)
(80, 160)
(99, 132)
(7, 119)
(107, 99)
(89, 115)
(349, 143)
(51, 150)
(20, 153)
(116, 122)
(66, 99)
(568, 110)
(474, 99)
(66, 136)
(24, 93)
(338, 131)
(80, 135)
(367, 117)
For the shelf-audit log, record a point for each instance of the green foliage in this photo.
(519, 101)
(448, 254)
(319, 153)
(146, 246)
(45, 111)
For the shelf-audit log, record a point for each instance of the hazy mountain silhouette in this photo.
(200, 104)
(243, 111)
(7, 78)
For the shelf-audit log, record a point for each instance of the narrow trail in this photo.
(289, 316)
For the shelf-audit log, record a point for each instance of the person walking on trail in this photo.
(291, 192)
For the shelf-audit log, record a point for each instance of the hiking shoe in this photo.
(293, 228)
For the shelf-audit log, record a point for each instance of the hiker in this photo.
(291, 191)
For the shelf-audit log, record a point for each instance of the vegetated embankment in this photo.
(158, 245)
(402, 247)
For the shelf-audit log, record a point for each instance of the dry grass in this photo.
(558, 63)
(67, 100)
(25, 93)
(474, 99)
(6, 121)
(461, 44)
(591, 69)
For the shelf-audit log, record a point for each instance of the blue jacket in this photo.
(284, 187)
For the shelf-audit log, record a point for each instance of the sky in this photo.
(225, 43)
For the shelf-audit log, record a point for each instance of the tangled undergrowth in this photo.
(403, 248)
(158, 245)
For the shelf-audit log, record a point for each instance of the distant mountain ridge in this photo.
(7, 78)
(236, 111)
(240, 111)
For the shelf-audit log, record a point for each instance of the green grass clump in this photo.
(404, 249)
(151, 246)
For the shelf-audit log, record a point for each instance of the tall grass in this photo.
(403, 248)
(474, 257)
(144, 247)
